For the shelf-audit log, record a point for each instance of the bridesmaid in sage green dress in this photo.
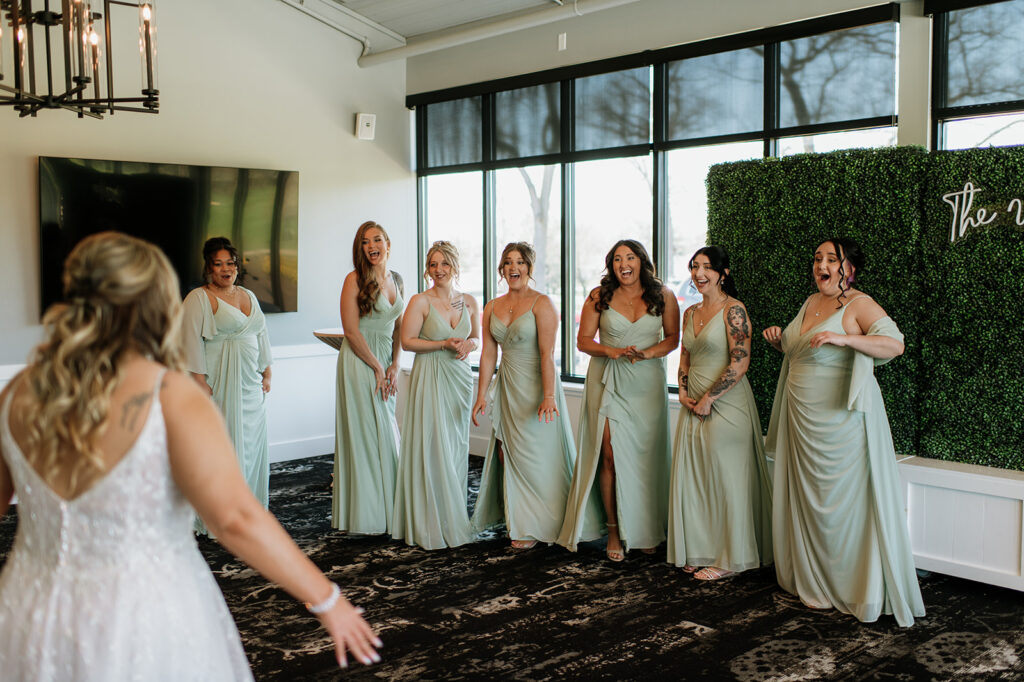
(366, 433)
(441, 326)
(720, 506)
(528, 462)
(227, 351)
(839, 519)
(620, 486)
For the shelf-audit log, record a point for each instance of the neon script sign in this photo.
(965, 217)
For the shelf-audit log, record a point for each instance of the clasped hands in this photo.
(461, 347)
(387, 381)
(631, 353)
(701, 408)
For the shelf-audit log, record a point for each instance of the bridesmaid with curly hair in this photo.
(366, 432)
(621, 482)
(840, 529)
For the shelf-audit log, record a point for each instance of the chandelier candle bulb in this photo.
(69, 34)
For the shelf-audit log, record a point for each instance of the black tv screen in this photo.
(177, 207)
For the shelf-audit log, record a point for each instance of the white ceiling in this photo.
(399, 29)
(410, 18)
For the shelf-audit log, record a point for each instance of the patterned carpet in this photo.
(487, 612)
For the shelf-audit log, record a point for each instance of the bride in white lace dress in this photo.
(108, 455)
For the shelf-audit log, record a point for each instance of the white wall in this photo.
(249, 83)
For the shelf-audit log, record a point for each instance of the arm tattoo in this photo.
(684, 380)
(132, 408)
(724, 383)
(739, 328)
(738, 353)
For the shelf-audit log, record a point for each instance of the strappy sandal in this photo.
(523, 544)
(713, 573)
(615, 555)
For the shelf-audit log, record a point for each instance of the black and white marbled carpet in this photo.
(486, 611)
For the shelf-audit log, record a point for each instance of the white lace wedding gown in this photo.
(110, 585)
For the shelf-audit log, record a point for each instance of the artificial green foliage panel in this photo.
(972, 346)
(772, 214)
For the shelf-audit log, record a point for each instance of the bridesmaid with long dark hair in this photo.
(840, 528)
(620, 484)
(720, 508)
(366, 432)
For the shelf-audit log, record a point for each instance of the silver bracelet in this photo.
(327, 604)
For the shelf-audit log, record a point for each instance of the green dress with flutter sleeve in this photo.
(839, 518)
(232, 349)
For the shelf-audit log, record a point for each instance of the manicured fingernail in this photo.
(376, 658)
(343, 663)
(377, 643)
(366, 660)
(359, 610)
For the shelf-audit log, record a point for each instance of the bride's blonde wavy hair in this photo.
(121, 295)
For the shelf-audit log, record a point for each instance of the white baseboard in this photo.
(282, 451)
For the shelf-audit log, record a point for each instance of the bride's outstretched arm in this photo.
(206, 470)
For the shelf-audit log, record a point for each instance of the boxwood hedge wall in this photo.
(956, 392)
(972, 303)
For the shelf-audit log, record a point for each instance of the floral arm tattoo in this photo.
(739, 331)
(684, 380)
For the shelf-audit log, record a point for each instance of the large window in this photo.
(978, 84)
(575, 159)
(612, 202)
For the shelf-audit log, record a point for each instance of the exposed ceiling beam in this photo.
(481, 30)
(354, 25)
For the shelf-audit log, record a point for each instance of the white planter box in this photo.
(965, 520)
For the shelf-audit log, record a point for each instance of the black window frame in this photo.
(941, 111)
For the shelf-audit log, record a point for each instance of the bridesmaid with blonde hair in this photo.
(441, 326)
(366, 432)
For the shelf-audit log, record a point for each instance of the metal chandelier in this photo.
(34, 42)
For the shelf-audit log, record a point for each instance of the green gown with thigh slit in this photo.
(529, 491)
(430, 498)
(720, 509)
(232, 349)
(366, 432)
(839, 518)
(632, 399)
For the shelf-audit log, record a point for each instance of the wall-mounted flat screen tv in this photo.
(177, 207)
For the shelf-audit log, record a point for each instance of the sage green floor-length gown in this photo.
(720, 507)
(232, 349)
(529, 491)
(431, 495)
(366, 432)
(839, 518)
(633, 400)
